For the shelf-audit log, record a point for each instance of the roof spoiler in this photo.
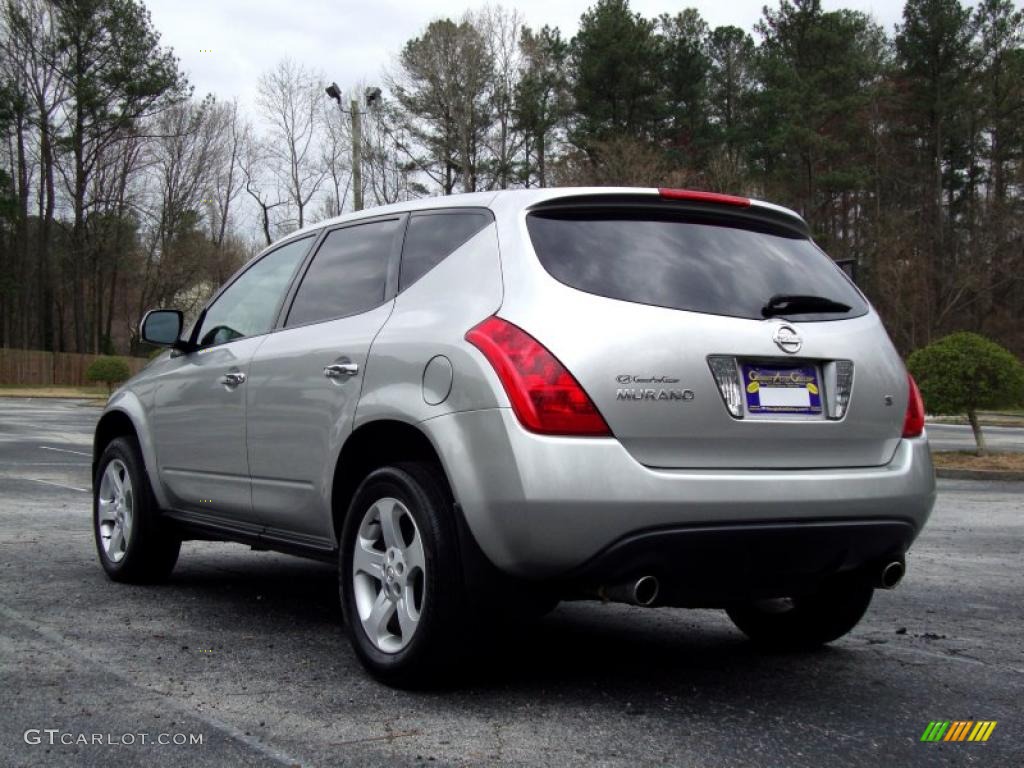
(684, 200)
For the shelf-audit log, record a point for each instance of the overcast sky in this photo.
(354, 41)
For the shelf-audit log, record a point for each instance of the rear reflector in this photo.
(544, 395)
(727, 376)
(913, 422)
(704, 197)
(842, 388)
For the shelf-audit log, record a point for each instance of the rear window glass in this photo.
(431, 237)
(696, 264)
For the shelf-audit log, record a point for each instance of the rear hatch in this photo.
(713, 335)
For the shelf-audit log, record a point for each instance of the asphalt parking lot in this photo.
(244, 648)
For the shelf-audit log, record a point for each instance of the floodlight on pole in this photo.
(372, 95)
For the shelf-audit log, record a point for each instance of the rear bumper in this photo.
(542, 507)
(710, 566)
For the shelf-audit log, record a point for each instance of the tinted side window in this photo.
(717, 266)
(249, 305)
(348, 273)
(431, 237)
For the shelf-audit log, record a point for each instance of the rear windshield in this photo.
(696, 264)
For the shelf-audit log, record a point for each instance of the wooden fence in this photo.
(31, 368)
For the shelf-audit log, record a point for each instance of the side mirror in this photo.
(162, 327)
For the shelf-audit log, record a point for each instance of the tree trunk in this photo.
(20, 294)
(45, 236)
(541, 160)
(81, 181)
(979, 438)
(109, 328)
(266, 223)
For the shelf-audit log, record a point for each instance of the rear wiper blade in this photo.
(801, 305)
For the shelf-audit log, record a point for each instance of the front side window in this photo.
(432, 236)
(249, 305)
(348, 274)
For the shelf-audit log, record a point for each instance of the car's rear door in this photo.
(305, 379)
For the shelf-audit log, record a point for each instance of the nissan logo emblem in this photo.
(787, 339)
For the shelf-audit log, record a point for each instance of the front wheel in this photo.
(133, 543)
(400, 576)
(805, 622)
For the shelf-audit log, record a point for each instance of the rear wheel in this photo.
(804, 622)
(400, 575)
(133, 543)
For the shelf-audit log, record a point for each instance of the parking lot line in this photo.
(65, 450)
(58, 485)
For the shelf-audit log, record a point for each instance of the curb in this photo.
(981, 474)
(34, 396)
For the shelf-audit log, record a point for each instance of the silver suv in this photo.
(492, 402)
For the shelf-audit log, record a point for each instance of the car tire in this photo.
(805, 622)
(133, 543)
(402, 592)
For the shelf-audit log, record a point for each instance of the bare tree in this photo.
(502, 32)
(113, 231)
(290, 98)
(335, 156)
(261, 186)
(390, 171)
(187, 144)
(227, 127)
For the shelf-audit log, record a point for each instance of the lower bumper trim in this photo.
(710, 566)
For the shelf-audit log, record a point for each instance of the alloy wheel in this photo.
(389, 575)
(116, 504)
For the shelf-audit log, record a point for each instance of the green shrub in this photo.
(964, 373)
(109, 370)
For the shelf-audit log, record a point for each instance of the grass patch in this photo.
(81, 392)
(1004, 462)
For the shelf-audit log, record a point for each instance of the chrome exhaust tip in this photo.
(643, 592)
(891, 574)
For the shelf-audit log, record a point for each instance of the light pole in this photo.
(372, 95)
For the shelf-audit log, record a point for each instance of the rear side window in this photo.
(431, 237)
(348, 273)
(710, 265)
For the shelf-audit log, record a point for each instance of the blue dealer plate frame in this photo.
(756, 376)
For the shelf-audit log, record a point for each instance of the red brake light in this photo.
(913, 422)
(544, 395)
(704, 197)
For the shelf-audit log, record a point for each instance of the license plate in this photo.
(782, 389)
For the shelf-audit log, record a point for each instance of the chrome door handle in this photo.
(341, 370)
(233, 379)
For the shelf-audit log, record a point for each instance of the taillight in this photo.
(698, 196)
(544, 395)
(913, 422)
